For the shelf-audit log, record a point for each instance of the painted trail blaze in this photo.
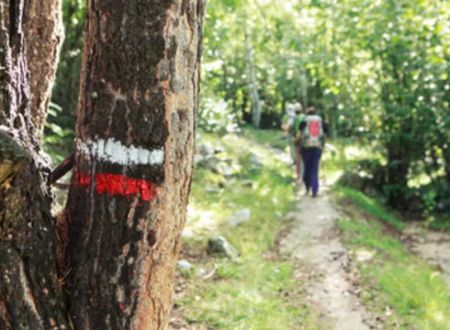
(118, 185)
(114, 152)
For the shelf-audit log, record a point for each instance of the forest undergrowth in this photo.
(259, 289)
(395, 282)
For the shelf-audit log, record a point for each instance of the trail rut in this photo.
(432, 246)
(315, 245)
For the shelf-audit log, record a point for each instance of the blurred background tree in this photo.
(377, 70)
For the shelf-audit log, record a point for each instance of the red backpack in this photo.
(312, 134)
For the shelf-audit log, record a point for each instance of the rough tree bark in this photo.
(133, 162)
(30, 293)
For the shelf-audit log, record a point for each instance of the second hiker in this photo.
(293, 119)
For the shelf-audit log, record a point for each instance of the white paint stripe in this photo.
(115, 152)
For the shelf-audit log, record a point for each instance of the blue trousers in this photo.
(311, 161)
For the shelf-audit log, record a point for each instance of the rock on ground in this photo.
(219, 246)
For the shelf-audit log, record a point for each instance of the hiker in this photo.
(298, 158)
(311, 137)
(293, 119)
(288, 128)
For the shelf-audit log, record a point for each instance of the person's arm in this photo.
(287, 124)
(301, 127)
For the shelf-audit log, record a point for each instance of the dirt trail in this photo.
(432, 246)
(315, 244)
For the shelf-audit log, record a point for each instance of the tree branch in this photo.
(62, 169)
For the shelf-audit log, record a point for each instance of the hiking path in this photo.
(315, 246)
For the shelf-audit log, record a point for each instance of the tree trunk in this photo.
(67, 83)
(397, 176)
(133, 163)
(30, 293)
(304, 85)
(44, 30)
(446, 152)
(252, 82)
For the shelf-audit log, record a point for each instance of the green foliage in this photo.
(375, 69)
(371, 206)
(58, 137)
(405, 37)
(215, 116)
(439, 223)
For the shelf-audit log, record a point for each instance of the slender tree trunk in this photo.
(67, 84)
(44, 32)
(135, 135)
(246, 116)
(304, 86)
(334, 113)
(447, 165)
(30, 293)
(252, 82)
(397, 176)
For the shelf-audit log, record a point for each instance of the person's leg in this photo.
(317, 153)
(298, 166)
(302, 169)
(306, 155)
(292, 148)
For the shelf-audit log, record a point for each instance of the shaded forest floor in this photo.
(341, 261)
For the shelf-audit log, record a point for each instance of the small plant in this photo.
(215, 116)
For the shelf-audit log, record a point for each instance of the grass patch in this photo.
(439, 223)
(371, 206)
(343, 153)
(415, 292)
(267, 137)
(252, 292)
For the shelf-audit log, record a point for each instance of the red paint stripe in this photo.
(118, 185)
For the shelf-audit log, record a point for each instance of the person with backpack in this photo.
(311, 137)
(289, 129)
(298, 158)
(293, 119)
